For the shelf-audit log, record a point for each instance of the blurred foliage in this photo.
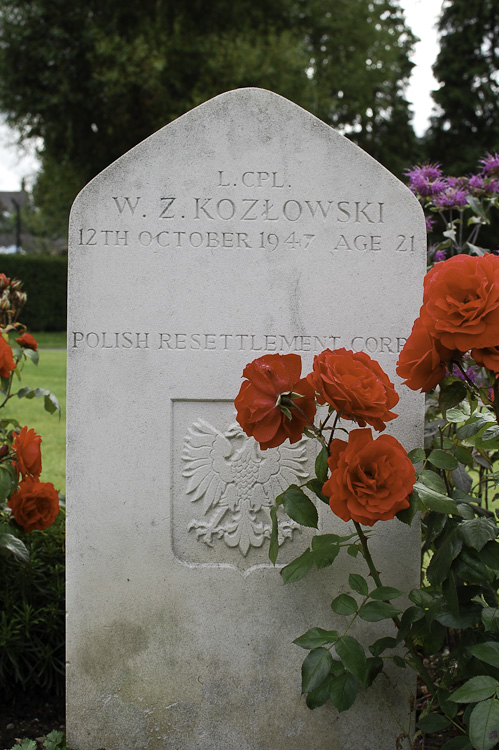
(45, 282)
(93, 79)
(467, 120)
(32, 612)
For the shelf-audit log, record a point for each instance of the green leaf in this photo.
(54, 740)
(344, 605)
(451, 395)
(484, 725)
(374, 667)
(477, 208)
(478, 531)
(315, 669)
(15, 546)
(490, 433)
(381, 645)
(51, 403)
(298, 568)
(33, 356)
(420, 597)
(352, 656)
(441, 561)
(407, 514)
(487, 652)
(472, 427)
(376, 611)
(464, 455)
(316, 637)
(274, 543)
(416, 455)
(358, 583)
(321, 466)
(385, 593)
(27, 745)
(316, 487)
(474, 690)
(458, 743)
(316, 698)
(6, 482)
(433, 500)
(343, 691)
(433, 480)
(299, 507)
(443, 460)
(432, 723)
(490, 555)
(456, 415)
(325, 550)
(490, 619)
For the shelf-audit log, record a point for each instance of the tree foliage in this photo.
(467, 121)
(92, 79)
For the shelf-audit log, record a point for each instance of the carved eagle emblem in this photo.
(236, 483)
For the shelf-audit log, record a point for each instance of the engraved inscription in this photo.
(237, 483)
(223, 221)
(236, 342)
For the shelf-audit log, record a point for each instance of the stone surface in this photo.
(246, 226)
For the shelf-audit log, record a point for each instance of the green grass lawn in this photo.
(50, 375)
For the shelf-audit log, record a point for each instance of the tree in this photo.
(466, 124)
(92, 79)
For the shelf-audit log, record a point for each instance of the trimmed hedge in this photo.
(44, 280)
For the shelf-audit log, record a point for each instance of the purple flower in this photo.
(491, 186)
(426, 180)
(490, 165)
(430, 223)
(451, 198)
(475, 183)
(439, 255)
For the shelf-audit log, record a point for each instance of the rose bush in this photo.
(452, 354)
(33, 504)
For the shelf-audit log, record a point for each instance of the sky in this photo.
(421, 17)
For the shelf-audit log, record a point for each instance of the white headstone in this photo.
(245, 227)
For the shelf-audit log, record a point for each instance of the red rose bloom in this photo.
(26, 446)
(461, 302)
(35, 505)
(27, 341)
(422, 360)
(354, 385)
(271, 380)
(7, 363)
(488, 357)
(371, 480)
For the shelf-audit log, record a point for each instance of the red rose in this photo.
(26, 446)
(27, 341)
(7, 363)
(422, 360)
(354, 385)
(371, 480)
(4, 281)
(461, 302)
(265, 406)
(487, 357)
(35, 505)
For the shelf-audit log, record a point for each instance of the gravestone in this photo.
(245, 227)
